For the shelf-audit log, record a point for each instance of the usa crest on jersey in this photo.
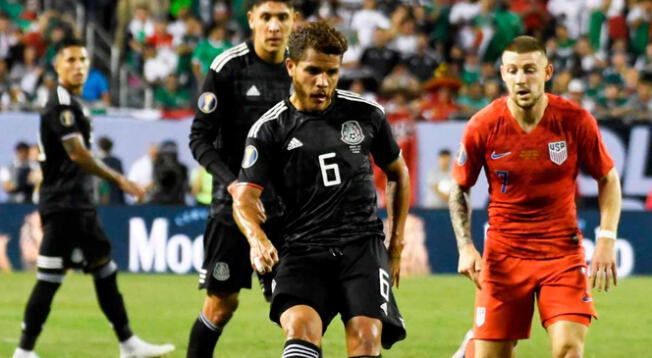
(558, 152)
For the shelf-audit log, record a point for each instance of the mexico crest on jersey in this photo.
(558, 152)
(352, 133)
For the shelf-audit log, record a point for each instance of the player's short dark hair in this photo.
(525, 44)
(253, 3)
(444, 152)
(319, 36)
(21, 146)
(69, 42)
(105, 143)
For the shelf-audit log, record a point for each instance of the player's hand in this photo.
(470, 263)
(263, 255)
(132, 189)
(395, 251)
(603, 265)
(260, 208)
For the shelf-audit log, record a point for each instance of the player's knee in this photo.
(219, 307)
(297, 326)
(364, 335)
(567, 349)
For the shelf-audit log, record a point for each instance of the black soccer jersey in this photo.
(66, 186)
(319, 163)
(238, 89)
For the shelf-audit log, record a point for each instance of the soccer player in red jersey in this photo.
(531, 145)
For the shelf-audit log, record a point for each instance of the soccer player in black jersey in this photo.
(242, 83)
(314, 150)
(72, 235)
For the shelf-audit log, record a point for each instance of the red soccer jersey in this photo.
(532, 175)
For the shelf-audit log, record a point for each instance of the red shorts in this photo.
(505, 304)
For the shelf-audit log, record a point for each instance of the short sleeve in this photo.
(593, 154)
(470, 155)
(258, 155)
(384, 148)
(63, 122)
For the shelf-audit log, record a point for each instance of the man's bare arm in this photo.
(398, 204)
(470, 262)
(603, 262)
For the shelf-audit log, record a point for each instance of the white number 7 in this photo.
(326, 167)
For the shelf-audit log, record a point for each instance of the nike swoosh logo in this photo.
(498, 156)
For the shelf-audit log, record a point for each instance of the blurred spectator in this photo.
(471, 69)
(562, 54)
(534, 15)
(161, 37)
(191, 39)
(638, 19)
(561, 81)
(639, 105)
(405, 41)
(400, 80)
(576, 95)
(5, 264)
(141, 171)
(439, 182)
(595, 87)
(170, 177)
(644, 61)
(14, 99)
(571, 13)
(366, 21)
(48, 85)
(378, 58)
(208, 49)
(605, 22)
(96, 90)
(27, 73)
(4, 76)
(631, 79)
(109, 192)
(7, 39)
(158, 64)
(616, 71)
(178, 27)
(201, 186)
(492, 90)
(17, 179)
(359, 87)
(584, 58)
(438, 102)
(423, 63)
(141, 26)
(472, 100)
(31, 235)
(506, 26)
(461, 16)
(611, 105)
(171, 96)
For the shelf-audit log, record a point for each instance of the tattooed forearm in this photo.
(459, 204)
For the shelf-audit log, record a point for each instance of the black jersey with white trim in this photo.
(319, 164)
(239, 88)
(65, 186)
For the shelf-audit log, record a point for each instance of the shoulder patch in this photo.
(67, 118)
(207, 102)
(250, 156)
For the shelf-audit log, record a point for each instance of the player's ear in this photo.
(250, 19)
(502, 72)
(289, 65)
(549, 71)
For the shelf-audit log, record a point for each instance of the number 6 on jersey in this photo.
(326, 167)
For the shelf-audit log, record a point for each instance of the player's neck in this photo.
(76, 90)
(528, 118)
(269, 57)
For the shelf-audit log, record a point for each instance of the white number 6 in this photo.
(326, 167)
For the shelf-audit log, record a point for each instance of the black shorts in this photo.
(226, 266)
(72, 239)
(353, 280)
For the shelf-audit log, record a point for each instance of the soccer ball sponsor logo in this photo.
(207, 102)
(558, 152)
(221, 271)
(461, 155)
(250, 156)
(480, 314)
(352, 133)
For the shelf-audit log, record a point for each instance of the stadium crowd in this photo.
(426, 60)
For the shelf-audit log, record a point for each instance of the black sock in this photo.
(36, 312)
(112, 305)
(297, 348)
(203, 338)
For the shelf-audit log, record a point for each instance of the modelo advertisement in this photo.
(169, 239)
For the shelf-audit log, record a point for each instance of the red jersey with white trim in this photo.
(532, 175)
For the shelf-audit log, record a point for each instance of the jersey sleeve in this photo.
(593, 154)
(384, 148)
(258, 155)
(470, 155)
(207, 123)
(63, 122)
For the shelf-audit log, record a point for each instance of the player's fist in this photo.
(132, 189)
(470, 263)
(263, 256)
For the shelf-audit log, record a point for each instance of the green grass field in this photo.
(437, 310)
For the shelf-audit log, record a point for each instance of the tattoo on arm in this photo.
(459, 204)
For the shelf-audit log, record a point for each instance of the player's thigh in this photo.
(92, 241)
(494, 349)
(306, 278)
(505, 304)
(565, 291)
(567, 337)
(56, 245)
(226, 266)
